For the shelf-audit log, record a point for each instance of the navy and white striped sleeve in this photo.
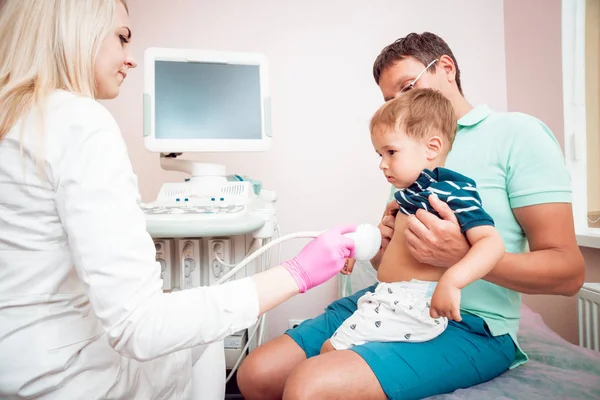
(466, 204)
(409, 202)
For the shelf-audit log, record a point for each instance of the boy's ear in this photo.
(435, 144)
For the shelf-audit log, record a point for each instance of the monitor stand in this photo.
(206, 180)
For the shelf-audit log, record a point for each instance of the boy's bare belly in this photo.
(398, 264)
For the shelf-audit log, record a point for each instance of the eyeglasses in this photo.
(412, 84)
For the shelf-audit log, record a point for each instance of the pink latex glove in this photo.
(322, 258)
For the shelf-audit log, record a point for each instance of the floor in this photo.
(231, 390)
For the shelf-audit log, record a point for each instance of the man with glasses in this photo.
(528, 194)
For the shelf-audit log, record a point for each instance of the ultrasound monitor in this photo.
(205, 101)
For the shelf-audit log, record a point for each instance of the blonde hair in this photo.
(421, 112)
(47, 45)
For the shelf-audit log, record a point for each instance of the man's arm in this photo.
(539, 191)
(554, 264)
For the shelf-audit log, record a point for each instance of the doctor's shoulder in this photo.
(73, 118)
(73, 109)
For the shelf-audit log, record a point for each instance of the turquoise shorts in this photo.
(464, 355)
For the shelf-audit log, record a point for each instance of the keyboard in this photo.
(213, 209)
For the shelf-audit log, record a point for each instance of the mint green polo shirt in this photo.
(515, 161)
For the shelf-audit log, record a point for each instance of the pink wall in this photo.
(533, 36)
(322, 164)
(534, 86)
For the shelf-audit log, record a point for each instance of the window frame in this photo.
(574, 105)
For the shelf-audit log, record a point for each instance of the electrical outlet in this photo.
(189, 258)
(219, 247)
(292, 323)
(164, 256)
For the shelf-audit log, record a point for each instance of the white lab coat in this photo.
(82, 313)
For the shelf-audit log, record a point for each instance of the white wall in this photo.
(321, 53)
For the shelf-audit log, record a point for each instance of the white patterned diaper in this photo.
(395, 312)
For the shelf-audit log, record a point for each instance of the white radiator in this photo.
(588, 308)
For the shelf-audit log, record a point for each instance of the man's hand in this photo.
(348, 266)
(386, 228)
(388, 221)
(435, 241)
(445, 302)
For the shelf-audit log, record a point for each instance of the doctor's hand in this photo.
(322, 258)
(435, 241)
(386, 227)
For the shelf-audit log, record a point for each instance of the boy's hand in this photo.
(446, 302)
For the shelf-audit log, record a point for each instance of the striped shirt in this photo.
(458, 191)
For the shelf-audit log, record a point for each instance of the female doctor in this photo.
(82, 313)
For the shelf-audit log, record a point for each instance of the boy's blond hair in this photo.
(422, 113)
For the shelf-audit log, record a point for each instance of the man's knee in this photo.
(264, 372)
(300, 384)
(335, 375)
(253, 377)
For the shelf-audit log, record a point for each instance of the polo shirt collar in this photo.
(475, 116)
